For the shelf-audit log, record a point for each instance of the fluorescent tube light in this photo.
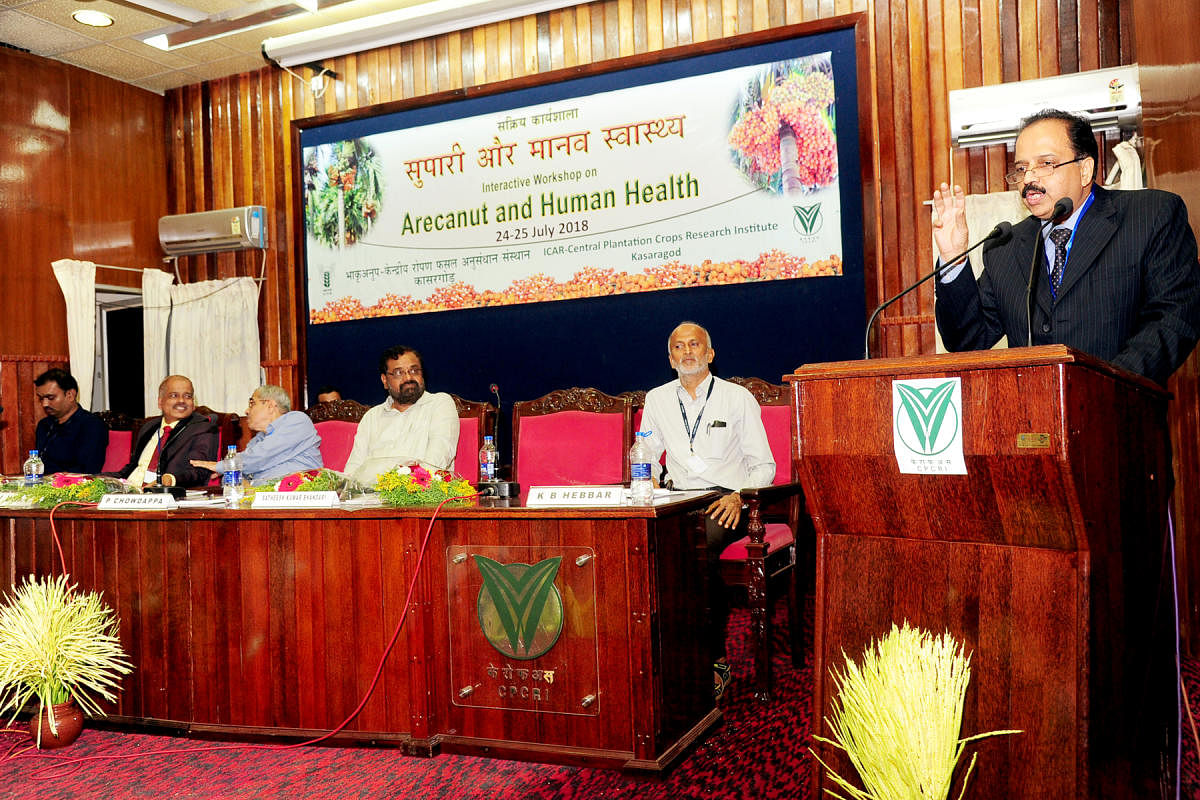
(402, 25)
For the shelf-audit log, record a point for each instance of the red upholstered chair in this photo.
(572, 436)
(475, 420)
(229, 431)
(121, 428)
(780, 535)
(336, 422)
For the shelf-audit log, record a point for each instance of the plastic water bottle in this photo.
(641, 487)
(33, 469)
(231, 477)
(489, 457)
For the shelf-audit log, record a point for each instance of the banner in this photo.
(718, 178)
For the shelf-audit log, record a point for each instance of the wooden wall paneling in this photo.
(1087, 14)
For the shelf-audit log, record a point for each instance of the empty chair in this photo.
(572, 436)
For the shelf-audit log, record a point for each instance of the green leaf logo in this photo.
(808, 219)
(926, 412)
(520, 610)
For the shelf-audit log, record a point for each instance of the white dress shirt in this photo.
(730, 448)
(425, 433)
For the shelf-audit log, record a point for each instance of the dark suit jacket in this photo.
(1130, 291)
(194, 437)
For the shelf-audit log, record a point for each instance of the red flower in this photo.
(64, 479)
(290, 483)
(421, 476)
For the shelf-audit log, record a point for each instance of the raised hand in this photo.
(949, 221)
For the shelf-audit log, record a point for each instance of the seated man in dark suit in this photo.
(165, 446)
(1116, 273)
(69, 438)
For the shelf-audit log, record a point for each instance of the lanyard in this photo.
(694, 429)
(1083, 210)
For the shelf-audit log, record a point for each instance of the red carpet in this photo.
(756, 753)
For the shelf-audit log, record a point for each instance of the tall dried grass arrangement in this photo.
(898, 717)
(58, 644)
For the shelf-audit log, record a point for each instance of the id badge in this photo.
(696, 464)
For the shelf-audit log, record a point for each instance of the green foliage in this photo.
(343, 175)
(58, 644)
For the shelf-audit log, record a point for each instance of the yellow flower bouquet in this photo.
(416, 486)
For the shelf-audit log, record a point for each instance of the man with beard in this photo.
(69, 438)
(410, 427)
(1117, 275)
(713, 436)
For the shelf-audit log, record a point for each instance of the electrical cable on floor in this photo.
(62, 767)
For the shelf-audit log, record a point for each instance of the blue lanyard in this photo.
(694, 429)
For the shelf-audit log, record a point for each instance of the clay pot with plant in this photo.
(60, 653)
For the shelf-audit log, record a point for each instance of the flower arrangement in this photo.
(58, 645)
(898, 716)
(314, 480)
(66, 487)
(416, 486)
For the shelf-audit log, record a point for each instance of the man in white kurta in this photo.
(411, 426)
(714, 438)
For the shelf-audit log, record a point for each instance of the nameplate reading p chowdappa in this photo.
(575, 496)
(136, 502)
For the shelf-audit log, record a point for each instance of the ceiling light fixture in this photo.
(401, 25)
(93, 19)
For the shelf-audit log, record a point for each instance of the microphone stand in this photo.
(1062, 209)
(1002, 231)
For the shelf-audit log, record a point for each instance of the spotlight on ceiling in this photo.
(94, 19)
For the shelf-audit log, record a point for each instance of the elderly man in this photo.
(165, 446)
(285, 441)
(411, 426)
(70, 438)
(714, 438)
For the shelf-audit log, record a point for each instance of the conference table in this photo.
(565, 635)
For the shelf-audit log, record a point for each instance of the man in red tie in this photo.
(166, 445)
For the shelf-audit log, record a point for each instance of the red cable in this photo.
(54, 771)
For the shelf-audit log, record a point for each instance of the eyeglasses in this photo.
(1038, 170)
(400, 372)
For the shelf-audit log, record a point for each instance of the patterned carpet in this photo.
(756, 753)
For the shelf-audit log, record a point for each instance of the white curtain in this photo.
(213, 340)
(156, 312)
(78, 282)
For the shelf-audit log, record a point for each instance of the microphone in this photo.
(495, 389)
(1062, 209)
(999, 234)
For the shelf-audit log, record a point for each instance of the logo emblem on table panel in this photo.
(520, 609)
(927, 421)
(807, 220)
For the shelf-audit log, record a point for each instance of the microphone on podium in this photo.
(999, 234)
(1062, 210)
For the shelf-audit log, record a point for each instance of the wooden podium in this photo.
(1048, 559)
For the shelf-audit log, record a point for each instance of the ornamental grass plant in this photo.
(898, 717)
(58, 644)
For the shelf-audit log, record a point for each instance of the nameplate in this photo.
(295, 500)
(575, 496)
(136, 502)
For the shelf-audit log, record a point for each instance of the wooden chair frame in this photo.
(576, 399)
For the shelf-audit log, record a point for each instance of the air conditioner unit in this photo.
(213, 231)
(1110, 99)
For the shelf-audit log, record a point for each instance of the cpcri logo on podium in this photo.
(927, 425)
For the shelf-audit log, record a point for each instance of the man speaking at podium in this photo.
(1111, 273)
